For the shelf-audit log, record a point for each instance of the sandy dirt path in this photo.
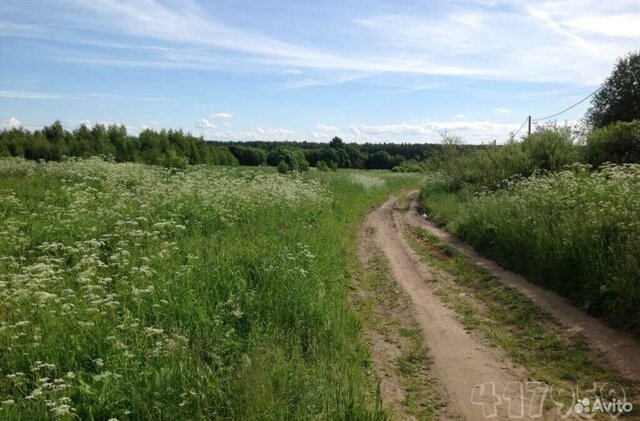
(461, 361)
(619, 349)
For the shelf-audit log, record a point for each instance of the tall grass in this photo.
(134, 292)
(568, 226)
(575, 231)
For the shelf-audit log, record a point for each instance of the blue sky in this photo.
(366, 70)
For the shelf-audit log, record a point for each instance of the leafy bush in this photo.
(249, 156)
(618, 143)
(293, 159)
(550, 148)
(408, 166)
(282, 167)
(175, 162)
(381, 160)
(489, 166)
(481, 168)
(322, 166)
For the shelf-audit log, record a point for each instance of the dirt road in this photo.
(619, 349)
(476, 377)
(479, 380)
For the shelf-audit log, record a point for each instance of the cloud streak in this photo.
(52, 95)
(468, 41)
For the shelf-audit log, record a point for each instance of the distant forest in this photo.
(174, 148)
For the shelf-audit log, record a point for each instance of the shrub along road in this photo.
(483, 325)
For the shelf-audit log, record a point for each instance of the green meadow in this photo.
(139, 292)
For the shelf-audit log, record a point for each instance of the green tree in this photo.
(357, 158)
(619, 97)
(618, 143)
(57, 139)
(247, 155)
(550, 148)
(282, 167)
(336, 143)
(379, 160)
(81, 143)
(294, 158)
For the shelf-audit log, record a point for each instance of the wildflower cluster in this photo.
(98, 292)
(367, 181)
(577, 230)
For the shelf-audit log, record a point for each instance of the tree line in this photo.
(166, 147)
(174, 148)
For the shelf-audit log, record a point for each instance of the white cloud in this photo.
(564, 42)
(203, 123)
(432, 131)
(292, 72)
(259, 133)
(51, 95)
(325, 81)
(276, 132)
(524, 41)
(325, 128)
(31, 95)
(460, 116)
(324, 132)
(503, 110)
(222, 116)
(623, 25)
(426, 131)
(11, 123)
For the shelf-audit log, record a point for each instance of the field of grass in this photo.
(131, 291)
(575, 231)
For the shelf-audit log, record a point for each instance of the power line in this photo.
(567, 109)
(525, 122)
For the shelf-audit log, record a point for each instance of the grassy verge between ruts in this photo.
(530, 337)
(399, 357)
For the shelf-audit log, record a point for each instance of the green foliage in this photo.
(487, 167)
(337, 143)
(619, 97)
(574, 231)
(249, 156)
(322, 166)
(210, 293)
(292, 159)
(326, 154)
(408, 166)
(173, 161)
(52, 143)
(483, 168)
(550, 148)
(381, 160)
(159, 147)
(283, 168)
(618, 143)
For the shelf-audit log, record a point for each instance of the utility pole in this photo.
(529, 125)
